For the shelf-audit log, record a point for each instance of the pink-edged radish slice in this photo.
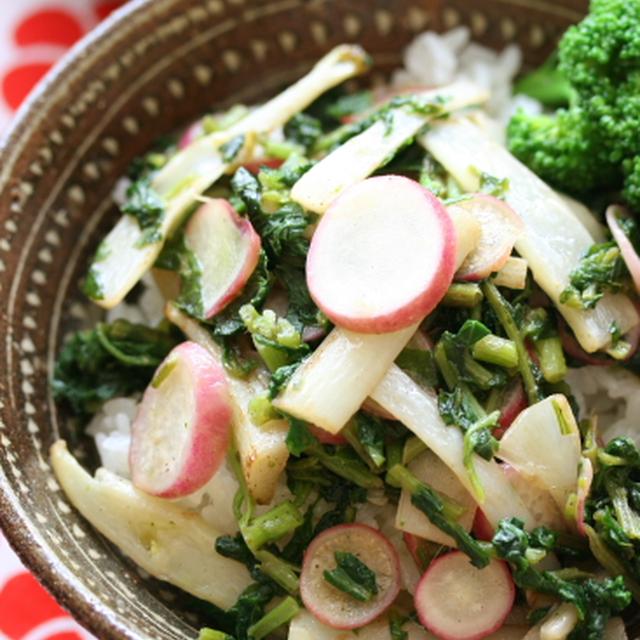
(190, 134)
(614, 214)
(325, 437)
(456, 601)
(419, 549)
(382, 256)
(500, 227)
(228, 249)
(181, 433)
(573, 348)
(515, 401)
(255, 165)
(481, 527)
(330, 605)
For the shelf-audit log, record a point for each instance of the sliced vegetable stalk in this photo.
(165, 540)
(552, 250)
(428, 468)
(418, 410)
(513, 274)
(543, 444)
(332, 384)
(360, 156)
(124, 256)
(262, 448)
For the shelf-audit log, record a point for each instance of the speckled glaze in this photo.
(152, 66)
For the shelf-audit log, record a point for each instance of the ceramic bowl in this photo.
(152, 66)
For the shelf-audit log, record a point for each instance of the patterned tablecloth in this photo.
(33, 35)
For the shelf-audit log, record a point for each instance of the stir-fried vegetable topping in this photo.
(487, 362)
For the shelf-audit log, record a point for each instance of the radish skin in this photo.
(388, 216)
(330, 605)
(629, 255)
(227, 248)
(500, 228)
(181, 433)
(262, 448)
(457, 601)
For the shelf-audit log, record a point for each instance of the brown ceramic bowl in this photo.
(152, 66)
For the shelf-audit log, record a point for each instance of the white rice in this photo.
(613, 395)
(434, 59)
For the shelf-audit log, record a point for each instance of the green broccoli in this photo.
(595, 142)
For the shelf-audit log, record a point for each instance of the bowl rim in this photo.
(72, 595)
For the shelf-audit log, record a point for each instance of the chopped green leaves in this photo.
(230, 150)
(601, 270)
(299, 438)
(111, 360)
(352, 576)
(147, 207)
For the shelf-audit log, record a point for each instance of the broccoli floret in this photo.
(560, 149)
(594, 143)
(631, 190)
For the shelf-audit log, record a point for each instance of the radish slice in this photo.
(629, 255)
(192, 132)
(456, 601)
(543, 444)
(481, 527)
(181, 433)
(514, 403)
(228, 249)
(325, 437)
(330, 605)
(255, 165)
(382, 256)
(573, 348)
(500, 228)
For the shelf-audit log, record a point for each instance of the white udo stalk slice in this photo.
(500, 228)
(332, 606)
(428, 468)
(227, 248)
(457, 601)
(170, 542)
(543, 444)
(181, 433)
(382, 256)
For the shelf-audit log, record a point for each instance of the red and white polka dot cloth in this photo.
(33, 35)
